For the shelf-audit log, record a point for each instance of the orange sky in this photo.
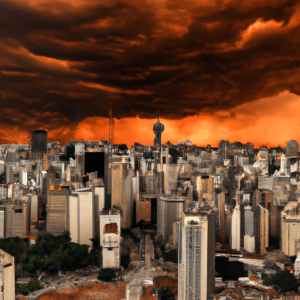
(225, 69)
(270, 121)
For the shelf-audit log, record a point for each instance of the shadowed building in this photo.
(38, 142)
(121, 196)
(169, 211)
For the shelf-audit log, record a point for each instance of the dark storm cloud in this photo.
(137, 57)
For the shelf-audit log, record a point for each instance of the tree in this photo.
(267, 281)
(57, 253)
(166, 293)
(106, 274)
(15, 247)
(33, 263)
(171, 255)
(285, 280)
(25, 289)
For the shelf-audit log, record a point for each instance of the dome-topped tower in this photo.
(158, 128)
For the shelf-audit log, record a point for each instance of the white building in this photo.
(297, 265)
(81, 217)
(79, 148)
(196, 255)
(7, 276)
(235, 242)
(290, 228)
(23, 177)
(2, 221)
(110, 238)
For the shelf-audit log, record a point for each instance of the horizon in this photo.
(215, 70)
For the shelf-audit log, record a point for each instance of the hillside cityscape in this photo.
(97, 220)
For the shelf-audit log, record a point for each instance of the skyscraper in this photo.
(196, 255)
(121, 196)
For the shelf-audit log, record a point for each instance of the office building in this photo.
(169, 211)
(236, 226)
(81, 217)
(121, 195)
(196, 255)
(57, 196)
(14, 216)
(2, 221)
(205, 186)
(38, 142)
(290, 228)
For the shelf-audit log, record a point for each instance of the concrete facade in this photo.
(121, 195)
(196, 256)
(81, 217)
(169, 212)
(7, 276)
(57, 200)
(236, 228)
(110, 238)
(290, 228)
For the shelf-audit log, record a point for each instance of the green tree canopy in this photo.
(14, 246)
(25, 289)
(285, 280)
(106, 274)
(166, 293)
(57, 253)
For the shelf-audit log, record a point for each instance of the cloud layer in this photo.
(192, 60)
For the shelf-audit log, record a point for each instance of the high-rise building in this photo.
(57, 196)
(261, 229)
(15, 217)
(81, 217)
(168, 212)
(2, 221)
(121, 196)
(235, 241)
(196, 255)
(38, 142)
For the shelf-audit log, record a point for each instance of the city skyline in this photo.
(215, 70)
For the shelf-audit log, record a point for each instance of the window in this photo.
(111, 228)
